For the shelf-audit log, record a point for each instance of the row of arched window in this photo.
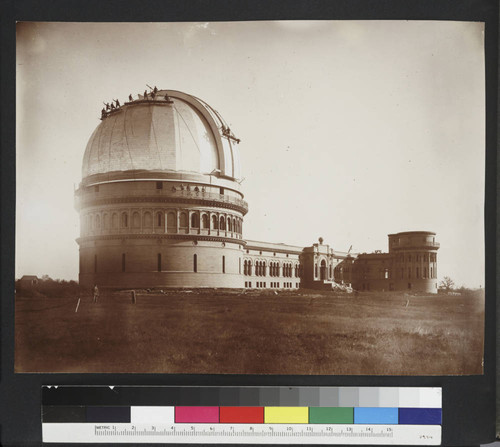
(287, 270)
(172, 221)
(417, 257)
(419, 273)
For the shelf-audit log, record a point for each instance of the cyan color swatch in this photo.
(367, 415)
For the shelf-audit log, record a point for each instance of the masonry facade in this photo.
(160, 205)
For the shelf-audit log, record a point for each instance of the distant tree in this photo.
(447, 284)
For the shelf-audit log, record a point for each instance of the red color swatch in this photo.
(241, 415)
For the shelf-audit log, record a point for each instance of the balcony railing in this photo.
(411, 245)
(83, 197)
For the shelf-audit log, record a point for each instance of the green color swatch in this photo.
(331, 415)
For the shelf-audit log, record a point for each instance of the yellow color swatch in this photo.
(286, 415)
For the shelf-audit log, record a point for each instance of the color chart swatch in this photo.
(202, 414)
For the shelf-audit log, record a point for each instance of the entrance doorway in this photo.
(322, 270)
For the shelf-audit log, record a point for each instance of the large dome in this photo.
(177, 132)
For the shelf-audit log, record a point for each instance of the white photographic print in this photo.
(276, 197)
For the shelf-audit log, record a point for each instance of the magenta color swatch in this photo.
(196, 414)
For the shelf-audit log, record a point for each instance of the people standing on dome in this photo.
(117, 103)
(145, 94)
(130, 98)
(96, 293)
(155, 90)
(107, 106)
(103, 113)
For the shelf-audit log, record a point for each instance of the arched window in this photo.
(234, 225)
(136, 220)
(223, 264)
(183, 221)
(195, 263)
(204, 221)
(97, 221)
(91, 221)
(264, 268)
(229, 224)
(244, 267)
(147, 220)
(214, 223)
(171, 222)
(114, 220)
(222, 225)
(195, 220)
(105, 221)
(250, 267)
(159, 219)
(124, 220)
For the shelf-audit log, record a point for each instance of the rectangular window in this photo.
(123, 262)
(159, 185)
(221, 190)
(223, 264)
(417, 273)
(195, 263)
(159, 262)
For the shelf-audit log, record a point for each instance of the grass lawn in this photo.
(253, 332)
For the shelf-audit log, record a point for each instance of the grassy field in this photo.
(234, 332)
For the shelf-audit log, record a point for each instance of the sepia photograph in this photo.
(268, 197)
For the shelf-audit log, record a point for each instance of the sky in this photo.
(350, 130)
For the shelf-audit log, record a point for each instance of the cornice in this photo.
(191, 237)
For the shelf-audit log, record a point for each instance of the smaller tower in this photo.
(414, 261)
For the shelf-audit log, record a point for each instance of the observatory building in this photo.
(161, 205)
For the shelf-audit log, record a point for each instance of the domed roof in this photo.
(172, 132)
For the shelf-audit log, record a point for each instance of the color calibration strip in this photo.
(244, 415)
(264, 415)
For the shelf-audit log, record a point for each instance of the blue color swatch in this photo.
(420, 416)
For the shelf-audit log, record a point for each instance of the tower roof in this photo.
(170, 132)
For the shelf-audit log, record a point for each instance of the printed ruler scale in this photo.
(242, 415)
